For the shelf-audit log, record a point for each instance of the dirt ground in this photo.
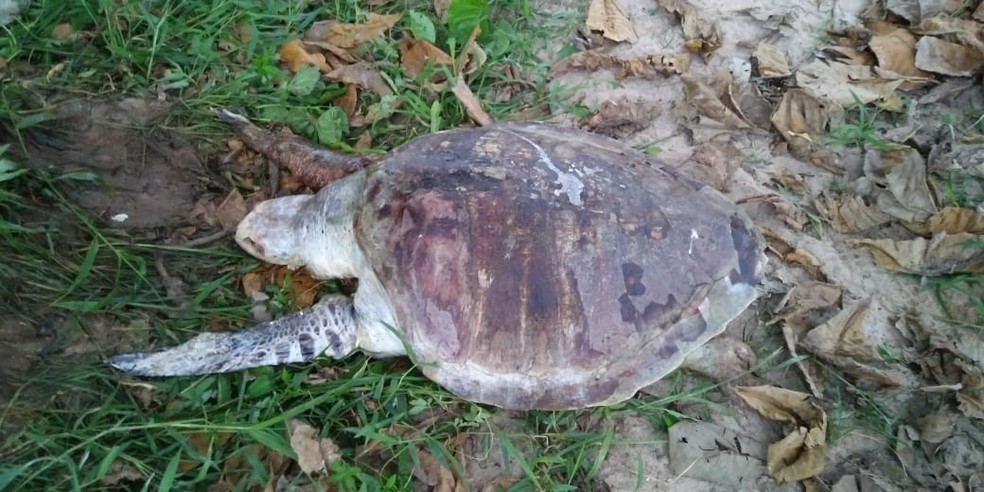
(897, 311)
(823, 295)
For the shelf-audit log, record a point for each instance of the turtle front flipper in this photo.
(313, 166)
(327, 328)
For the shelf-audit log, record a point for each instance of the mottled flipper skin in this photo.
(327, 328)
(312, 165)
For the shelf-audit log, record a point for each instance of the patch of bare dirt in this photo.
(142, 180)
(31, 345)
(742, 94)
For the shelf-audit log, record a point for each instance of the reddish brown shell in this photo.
(533, 266)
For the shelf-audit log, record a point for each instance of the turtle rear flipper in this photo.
(313, 166)
(327, 328)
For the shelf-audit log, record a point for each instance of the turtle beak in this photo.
(269, 232)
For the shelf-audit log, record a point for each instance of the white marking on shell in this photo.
(693, 237)
(569, 183)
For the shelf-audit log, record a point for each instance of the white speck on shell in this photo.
(119, 218)
(569, 183)
(693, 237)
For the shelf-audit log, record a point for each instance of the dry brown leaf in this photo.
(301, 290)
(701, 35)
(944, 254)
(296, 56)
(792, 182)
(937, 426)
(253, 282)
(849, 55)
(144, 393)
(202, 443)
(473, 107)
(231, 211)
(471, 60)
(965, 31)
(904, 192)
(314, 454)
(789, 212)
(656, 64)
(841, 336)
(971, 394)
(715, 163)
(846, 85)
(618, 118)
(244, 32)
(441, 9)
(799, 455)
(906, 9)
(952, 220)
(363, 75)
(604, 16)
(771, 61)
(334, 56)
(324, 375)
(756, 108)
(781, 404)
(62, 31)
(352, 35)
(434, 474)
(943, 57)
(121, 471)
(805, 260)
(896, 51)
(710, 104)
(914, 11)
(874, 374)
(849, 213)
(643, 66)
(364, 141)
(416, 55)
(238, 465)
(381, 110)
(805, 301)
(801, 119)
(348, 100)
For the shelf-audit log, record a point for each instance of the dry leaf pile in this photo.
(332, 47)
(905, 175)
(895, 199)
(897, 203)
(606, 18)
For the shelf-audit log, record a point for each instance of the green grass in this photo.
(203, 55)
(73, 424)
(860, 129)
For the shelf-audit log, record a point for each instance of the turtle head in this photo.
(313, 231)
(271, 233)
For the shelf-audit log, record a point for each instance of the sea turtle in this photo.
(522, 265)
